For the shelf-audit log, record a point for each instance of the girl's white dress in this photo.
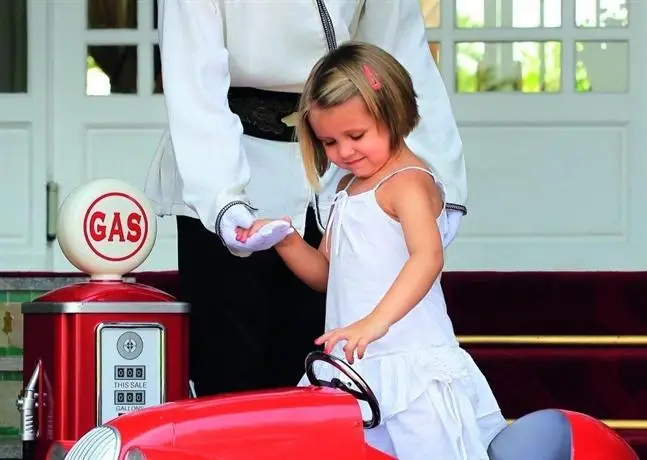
(435, 402)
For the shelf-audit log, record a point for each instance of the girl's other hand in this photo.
(357, 336)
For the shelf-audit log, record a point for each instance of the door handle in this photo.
(52, 210)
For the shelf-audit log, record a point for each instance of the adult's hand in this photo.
(239, 217)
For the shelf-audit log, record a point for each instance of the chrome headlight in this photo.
(135, 454)
(101, 443)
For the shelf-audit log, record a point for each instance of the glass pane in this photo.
(13, 46)
(601, 13)
(111, 69)
(508, 13)
(434, 47)
(157, 71)
(602, 67)
(528, 67)
(112, 14)
(431, 12)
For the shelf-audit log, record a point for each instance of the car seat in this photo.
(554, 434)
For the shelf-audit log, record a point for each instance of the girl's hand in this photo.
(243, 234)
(357, 336)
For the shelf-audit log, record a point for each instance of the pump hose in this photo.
(28, 450)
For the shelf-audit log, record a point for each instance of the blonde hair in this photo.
(356, 69)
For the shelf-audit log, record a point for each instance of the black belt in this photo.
(261, 111)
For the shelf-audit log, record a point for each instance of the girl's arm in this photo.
(416, 205)
(308, 264)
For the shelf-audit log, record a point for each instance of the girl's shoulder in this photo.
(410, 183)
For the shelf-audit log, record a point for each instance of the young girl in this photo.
(380, 262)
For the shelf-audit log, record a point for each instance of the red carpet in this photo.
(604, 382)
(591, 303)
(607, 381)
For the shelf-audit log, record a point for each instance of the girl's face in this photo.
(351, 138)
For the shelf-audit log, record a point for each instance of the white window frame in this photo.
(474, 108)
(144, 38)
(28, 112)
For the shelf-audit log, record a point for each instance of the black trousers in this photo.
(252, 322)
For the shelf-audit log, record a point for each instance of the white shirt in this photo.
(204, 161)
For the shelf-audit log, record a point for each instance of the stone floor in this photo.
(10, 449)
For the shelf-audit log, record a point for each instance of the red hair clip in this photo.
(371, 77)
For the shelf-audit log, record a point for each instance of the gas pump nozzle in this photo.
(27, 404)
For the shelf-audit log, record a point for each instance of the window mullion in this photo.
(445, 36)
(492, 19)
(505, 64)
(568, 47)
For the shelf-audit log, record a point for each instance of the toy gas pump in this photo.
(98, 349)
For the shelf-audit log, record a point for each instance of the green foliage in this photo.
(473, 74)
(90, 63)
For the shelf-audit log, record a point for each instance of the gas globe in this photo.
(106, 228)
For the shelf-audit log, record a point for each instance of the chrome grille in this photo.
(101, 443)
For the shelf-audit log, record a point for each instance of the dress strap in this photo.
(390, 175)
(350, 182)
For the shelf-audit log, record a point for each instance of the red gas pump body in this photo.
(99, 349)
(61, 338)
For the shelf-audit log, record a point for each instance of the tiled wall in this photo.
(11, 369)
(11, 342)
(14, 292)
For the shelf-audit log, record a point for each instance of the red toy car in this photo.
(323, 421)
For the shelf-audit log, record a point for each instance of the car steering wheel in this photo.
(364, 394)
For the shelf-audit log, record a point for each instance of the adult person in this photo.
(233, 70)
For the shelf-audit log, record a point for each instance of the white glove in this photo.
(453, 221)
(265, 238)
